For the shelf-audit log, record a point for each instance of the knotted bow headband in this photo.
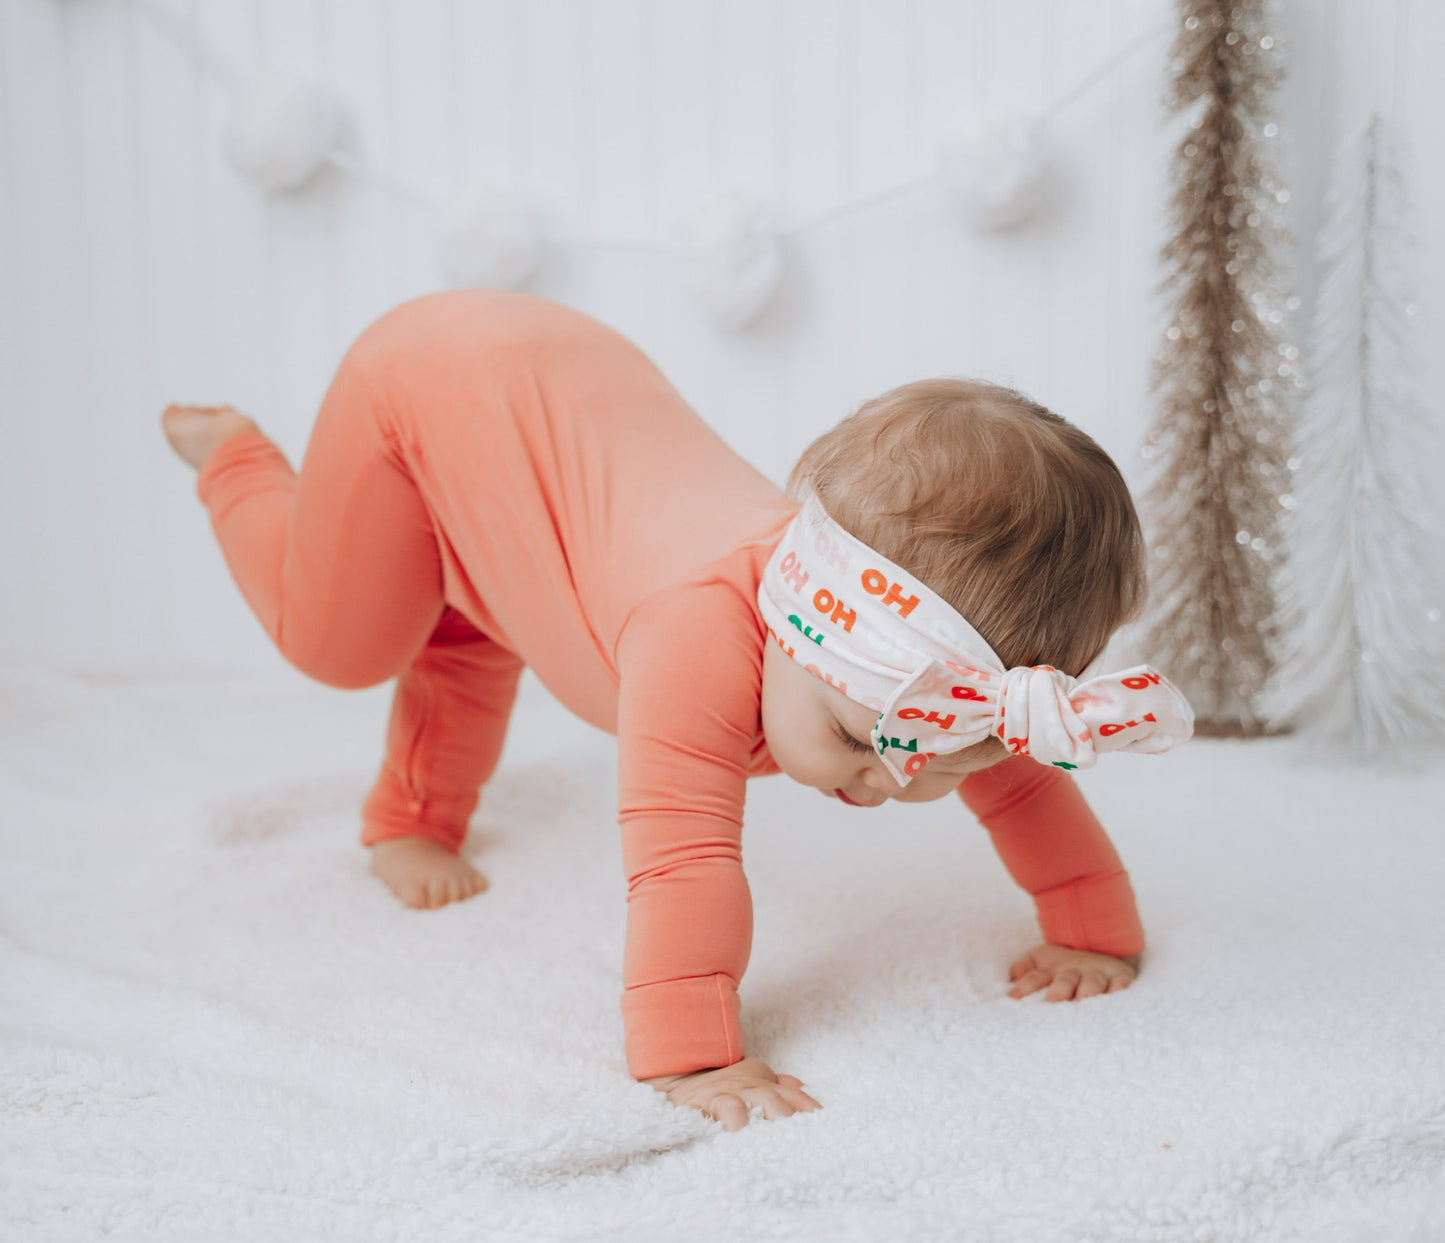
(883, 639)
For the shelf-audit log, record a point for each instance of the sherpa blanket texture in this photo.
(216, 1025)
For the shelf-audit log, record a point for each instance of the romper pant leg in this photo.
(448, 722)
(340, 565)
(339, 562)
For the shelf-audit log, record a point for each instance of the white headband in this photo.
(874, 632)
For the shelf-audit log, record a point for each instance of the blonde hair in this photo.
(1010, 513)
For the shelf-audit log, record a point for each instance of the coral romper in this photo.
(497, 481)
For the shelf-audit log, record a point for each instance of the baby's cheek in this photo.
(785, 756)
(807, 765)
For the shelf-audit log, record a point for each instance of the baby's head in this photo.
(1010, 514)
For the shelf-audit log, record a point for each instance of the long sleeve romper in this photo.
(497, 481)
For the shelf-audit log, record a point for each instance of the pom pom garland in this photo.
(993, 169)
(731, 254)
(730, 258)
(490, 239)
(282, 131)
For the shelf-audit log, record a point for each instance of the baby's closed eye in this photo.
(853, 744)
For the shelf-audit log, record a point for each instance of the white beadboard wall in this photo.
(137, 269)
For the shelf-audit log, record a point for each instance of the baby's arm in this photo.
(690, 664)
(1055, 848)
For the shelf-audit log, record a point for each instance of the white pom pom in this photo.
(488, 238)
(730, 257)
(281, 131)
(993, 169)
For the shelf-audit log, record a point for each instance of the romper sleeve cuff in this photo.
(677, 1026)
(1095, 913)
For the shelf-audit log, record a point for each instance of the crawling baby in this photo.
(495, 481)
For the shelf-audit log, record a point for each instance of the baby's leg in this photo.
(339, 562)
(448, 721)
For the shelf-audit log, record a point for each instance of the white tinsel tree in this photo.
(1362, 662)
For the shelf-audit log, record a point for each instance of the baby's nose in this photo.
(876, 778)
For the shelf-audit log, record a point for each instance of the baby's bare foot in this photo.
(424, 874)
(195, 431)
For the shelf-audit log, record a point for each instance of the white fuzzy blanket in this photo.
(217, 1025)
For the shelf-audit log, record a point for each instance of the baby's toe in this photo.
(414, 896)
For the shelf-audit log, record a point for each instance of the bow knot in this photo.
(1033, 716)
(1032, 710)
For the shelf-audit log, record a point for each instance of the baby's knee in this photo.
(339, 669)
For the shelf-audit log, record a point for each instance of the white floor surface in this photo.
(216, 1025)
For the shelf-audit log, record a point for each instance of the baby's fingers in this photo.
(799, 1100)
(1031, 983)
(770, 1100)
(1065, 981)
(790, 1089)
(1093, 983)
(728, 1109)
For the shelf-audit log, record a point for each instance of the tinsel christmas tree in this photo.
(1223, 381)
(1362, 662)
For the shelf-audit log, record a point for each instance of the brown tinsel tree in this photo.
(1224, 382)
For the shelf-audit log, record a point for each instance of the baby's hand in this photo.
(726, 1092)
(1071, 974)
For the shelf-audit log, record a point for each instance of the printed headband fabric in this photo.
(874, 632)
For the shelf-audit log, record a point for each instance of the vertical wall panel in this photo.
(37, 394)
(1073, 244)
(224, 219)
(209, 241)
(684, 61)
(615, 147)
(1139, 217)
(814, 42)
(750, 65)
(368, 278)
(420, 123)
(684, 58)
(949, 88)
(64, 483)
(1107, 240)
(485, 77)
(137, 267)
(95, 339)
(620, 203)
(750, 372)
(295, 265)
(19, 560)
(549, 58)
(883, 153)
(1011, 269)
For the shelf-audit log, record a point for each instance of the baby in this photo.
(497, 481)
